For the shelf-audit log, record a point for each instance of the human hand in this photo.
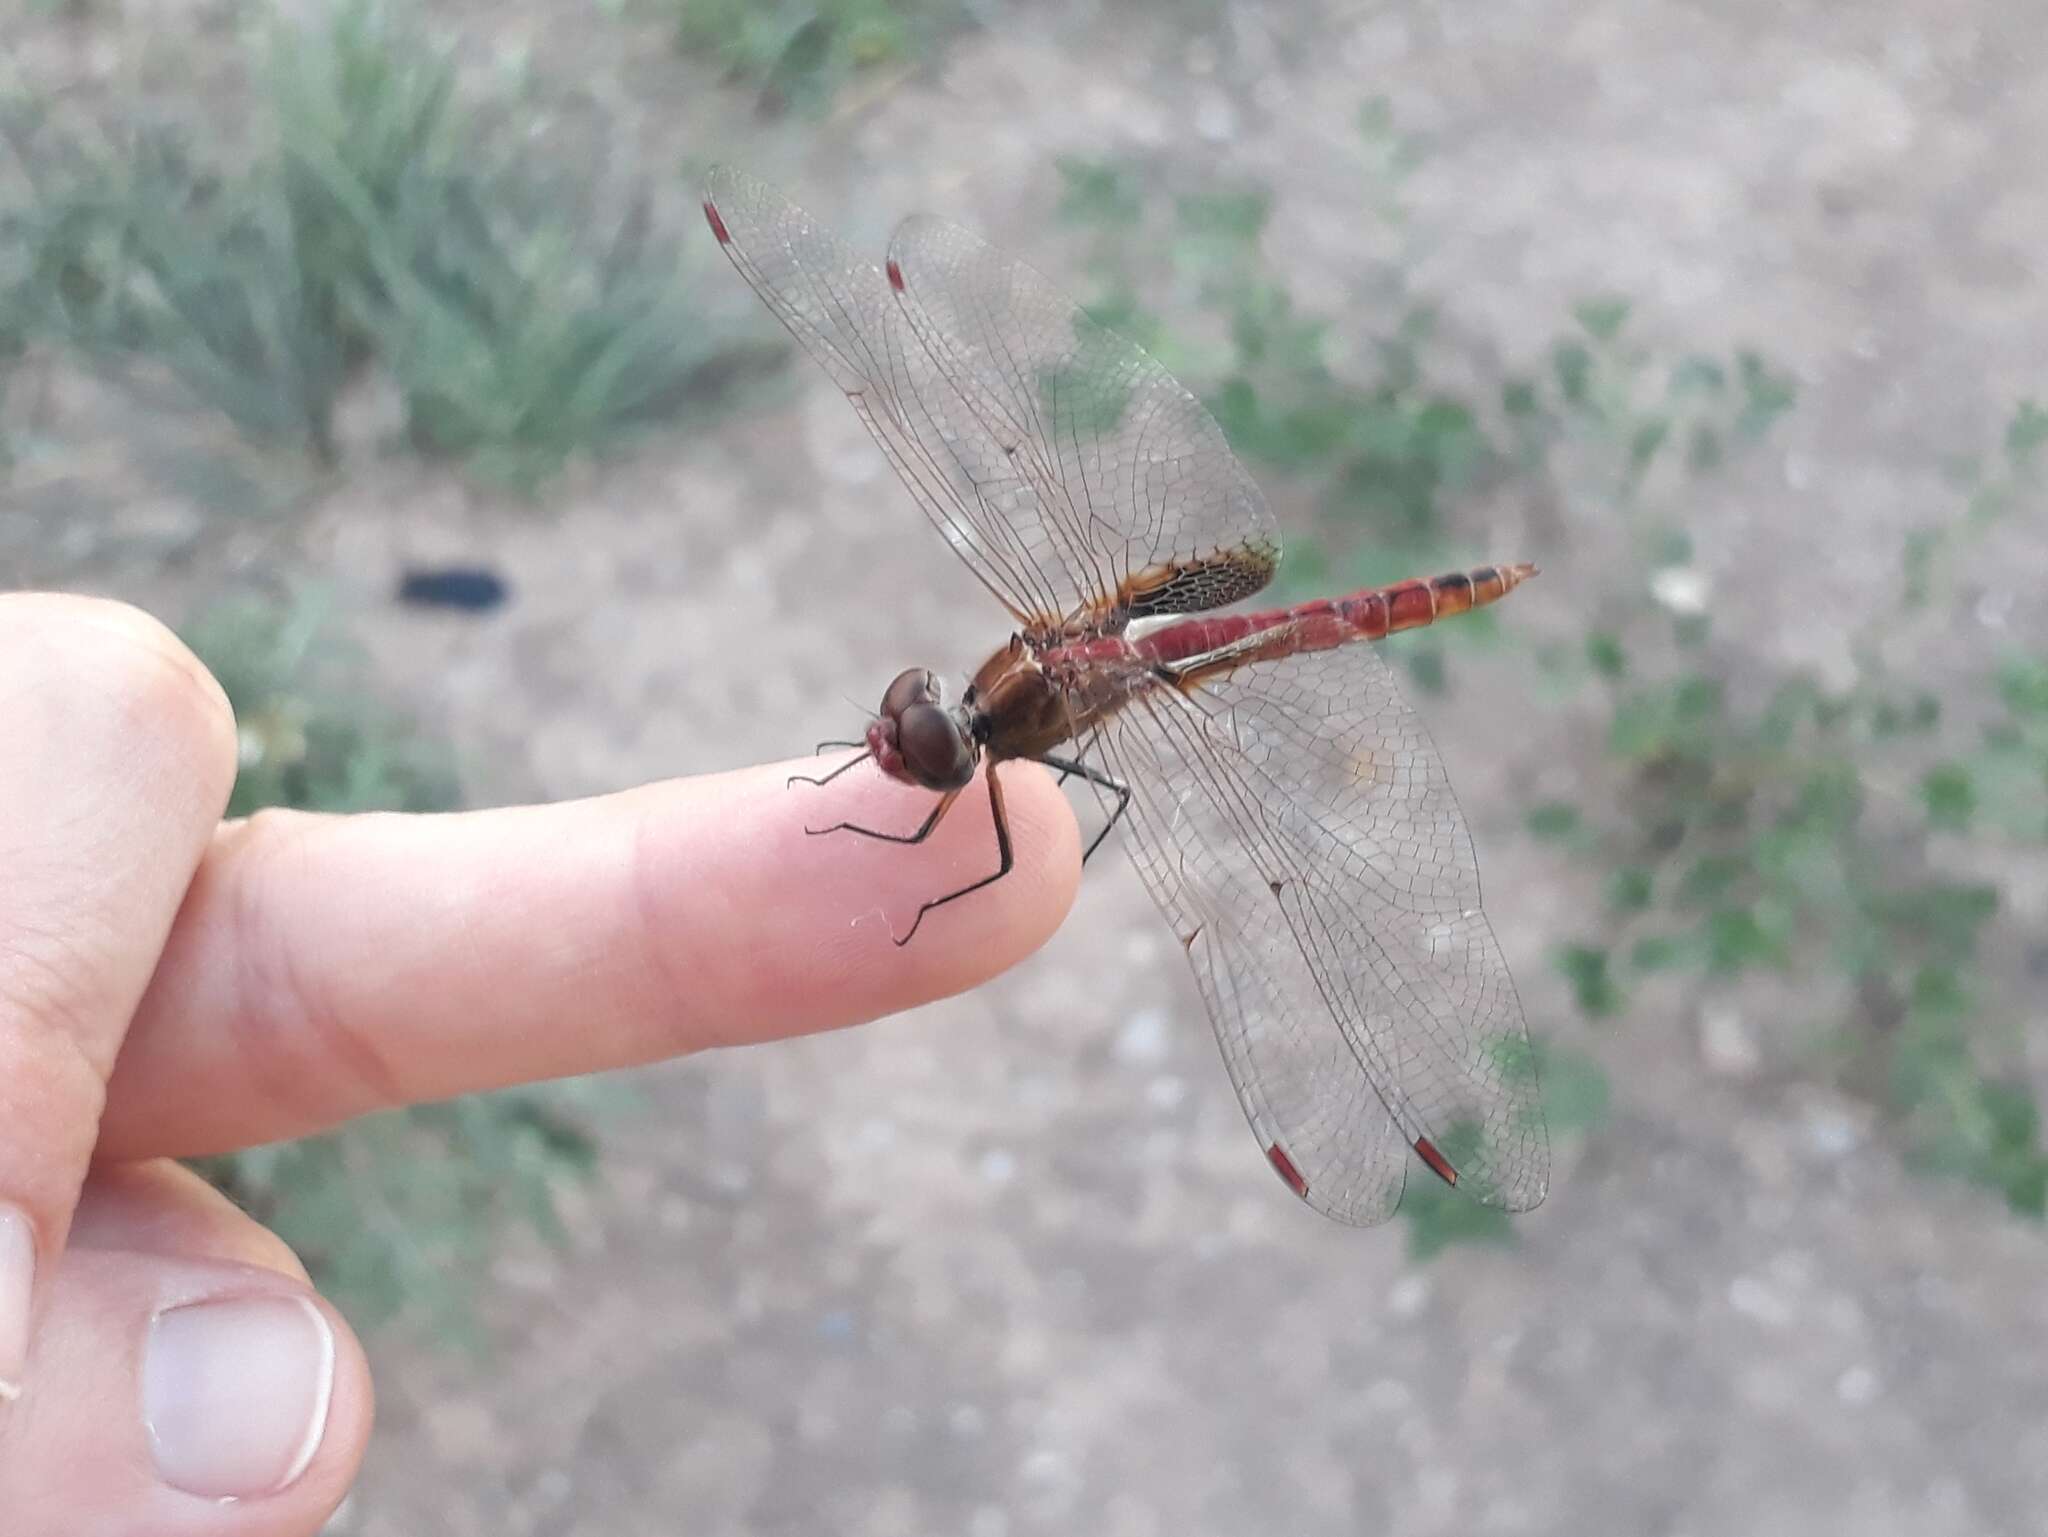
(173, 986)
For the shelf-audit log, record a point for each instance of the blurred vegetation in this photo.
(1739, 823)
(13, 342)
(395, 1215)
(1575, 1101)
(309, 737)
(799, 55)
(386, 226)
(1812, 831)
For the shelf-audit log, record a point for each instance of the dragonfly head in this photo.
(917, 740)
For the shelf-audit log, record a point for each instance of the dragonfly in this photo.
(1282, 802)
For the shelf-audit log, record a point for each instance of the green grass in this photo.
(801, 54)
(519, 344)
(16, 324)
(1778, 824)
(390, 222)
(127, 243)
(397, 1215)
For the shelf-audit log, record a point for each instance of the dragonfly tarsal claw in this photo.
(812, 779)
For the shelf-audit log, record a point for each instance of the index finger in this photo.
(326, 967)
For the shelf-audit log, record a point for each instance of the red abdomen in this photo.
(1327, 622)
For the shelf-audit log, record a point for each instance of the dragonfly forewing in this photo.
(1079, 480)
(1137, 485)
(841, 309)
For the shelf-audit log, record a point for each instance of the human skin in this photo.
(172, 984)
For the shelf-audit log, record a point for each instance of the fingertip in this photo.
(821, 928)
(186, 1398)
(336, 1457)
(947, 949)
(256, 1393)
(99, 654)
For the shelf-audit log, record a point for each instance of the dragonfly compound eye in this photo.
(933, 748)
(913, 686)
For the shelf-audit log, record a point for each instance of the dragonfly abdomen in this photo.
(1317, 626)
(1409, 605)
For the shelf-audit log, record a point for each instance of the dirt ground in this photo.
(1011, 1265)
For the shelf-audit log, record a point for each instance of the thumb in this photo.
(117, 752)
(187, 1381)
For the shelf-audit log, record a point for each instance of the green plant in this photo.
(15, 326)
(366, 119)
(128, 244)
(399, 1215)
(306, 742)
(388, 224)
(394, 1213)
(802, 53)
(1792, 832)
(518, 343)
(1575, 1097)
(520, 328)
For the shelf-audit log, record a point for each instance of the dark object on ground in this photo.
(475, 588)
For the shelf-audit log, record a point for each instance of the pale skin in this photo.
(172, 984)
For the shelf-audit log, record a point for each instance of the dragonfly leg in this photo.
(945, 804)
(1004, 857)
(806, 779)
(1122, 791)
(835, 743)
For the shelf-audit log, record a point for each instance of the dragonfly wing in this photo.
(1082, 483)
(1313, 1111)
(842, 310)
(1294, 822)
(1138, 497)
